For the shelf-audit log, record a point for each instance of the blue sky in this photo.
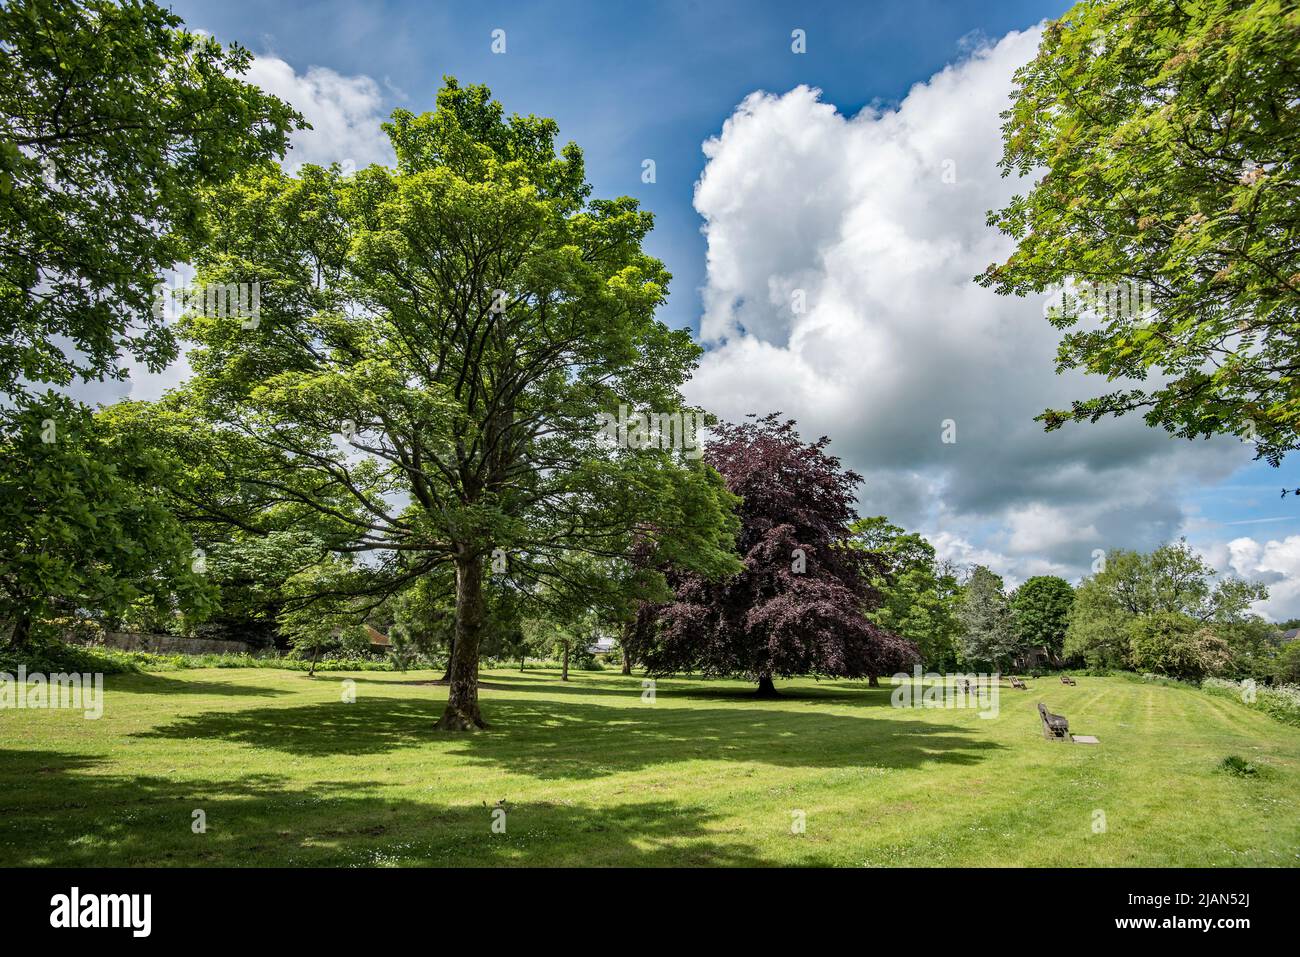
(837, 191)
(626, 81)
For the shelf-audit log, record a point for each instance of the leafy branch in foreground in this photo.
(1169, 134)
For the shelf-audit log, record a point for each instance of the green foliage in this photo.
(50, 656)
(1255, 645)
(1288, 663)
(112, 123)
(321, 613)
(1173, 581)
(83, 525)
(1165, 643)
(1098, 622)
(422, 621)
(1041, 608)
(1168, 134)
(1238, 766)
(1279, 701)
(988, 629)
(917, 595)
(251, 573)
(1175, 645)
(113, 120)
(565, 638)
(435, 345)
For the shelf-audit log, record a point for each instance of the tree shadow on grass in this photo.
(370, 725)
(154, 683)
(74, 814)
(855, 695)
(540, 684)
(574, 740)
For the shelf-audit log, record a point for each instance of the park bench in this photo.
(1067, 680)
(1017, 683)
(1055, 726)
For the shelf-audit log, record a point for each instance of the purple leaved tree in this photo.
(798, 606)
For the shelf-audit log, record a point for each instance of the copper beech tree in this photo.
(799, 605)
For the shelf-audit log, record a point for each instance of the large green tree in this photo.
(1168, 643)
(988, 630)
(1173, 580)
(435, 345)
(113, 120)
(1041, 607)
(917, 593)
(1166, 136)
(83, 526)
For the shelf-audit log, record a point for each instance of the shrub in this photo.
(1280, 701)
(50, 656)
(1213, 655)
(1288, 663)
(1236, 765)
(1165, 644)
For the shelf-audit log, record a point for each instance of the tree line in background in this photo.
(405, 434)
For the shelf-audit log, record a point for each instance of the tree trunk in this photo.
(451, 653)
(765, 687)
(21, 636)
(315, 656)
(462, 712)
(522, 661)
(628, 629)
(873, 682)
(564, 674)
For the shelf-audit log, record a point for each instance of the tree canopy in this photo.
(1172, 581)
(113, 121)
(1041, 609)
(917, 592)
(799, 604)
(988, 630)
(1166, 135)
(83, 525)
(435, 347)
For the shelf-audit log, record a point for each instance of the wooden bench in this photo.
(1067, 680)
(1017, 683)
(1055, 726)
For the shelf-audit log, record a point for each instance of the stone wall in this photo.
(169, 644)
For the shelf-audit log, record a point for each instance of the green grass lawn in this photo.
(287, 773)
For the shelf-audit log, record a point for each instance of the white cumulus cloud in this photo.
(344, 112)
(839, 290)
